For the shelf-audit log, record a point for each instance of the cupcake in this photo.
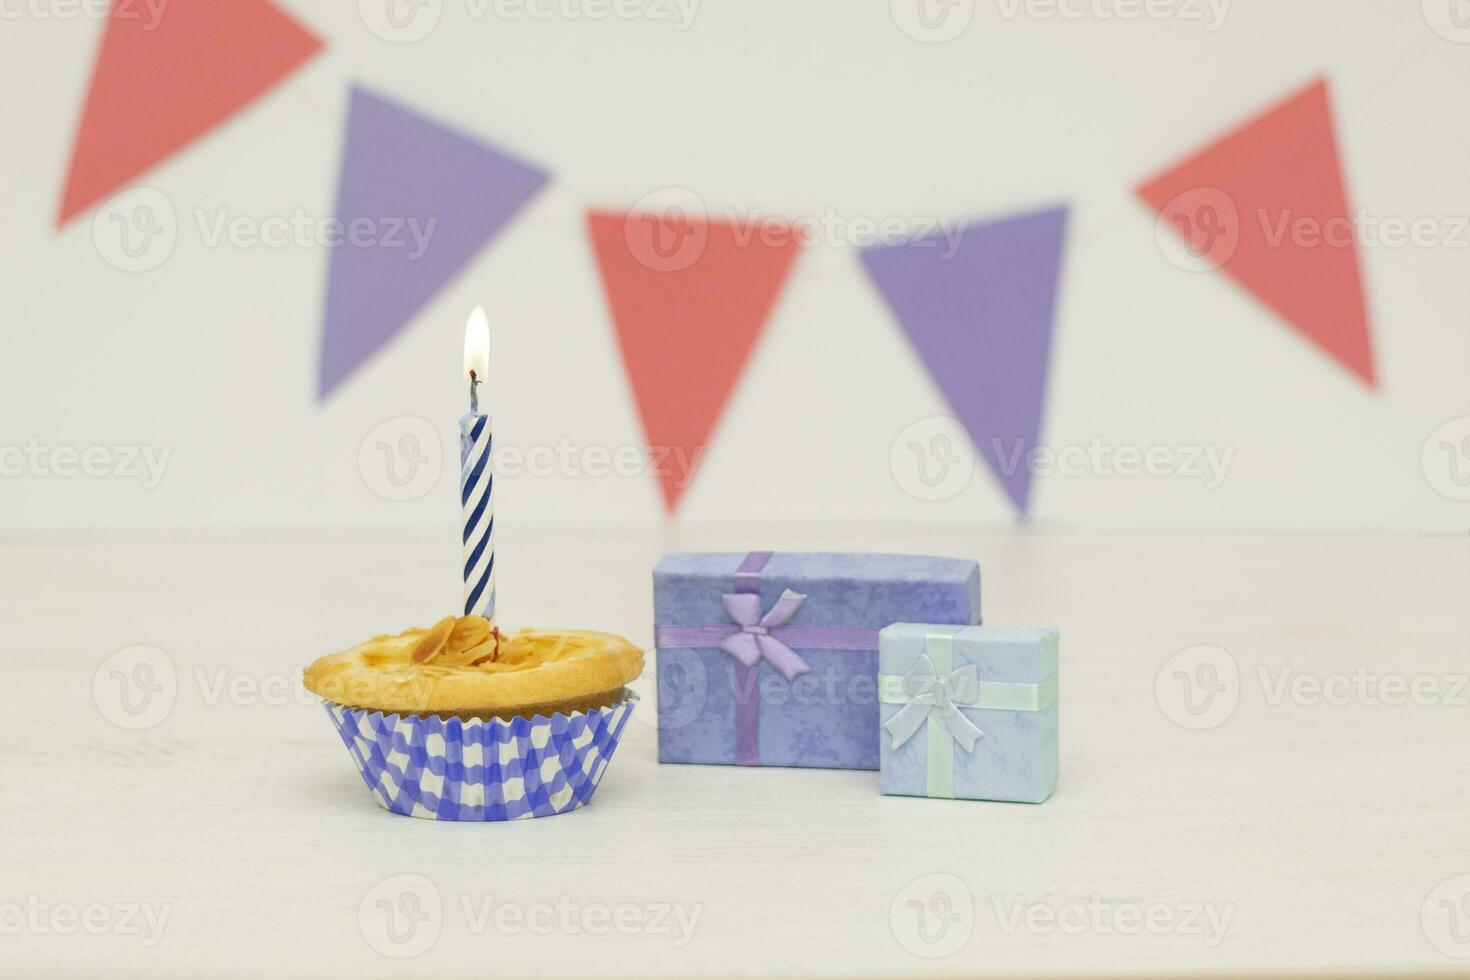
(460, 722)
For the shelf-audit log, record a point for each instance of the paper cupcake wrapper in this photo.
(449, 769)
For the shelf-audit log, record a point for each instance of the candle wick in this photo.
(474, 393)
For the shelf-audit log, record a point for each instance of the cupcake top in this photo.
(462, 664)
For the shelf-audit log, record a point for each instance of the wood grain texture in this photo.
(1323, 828)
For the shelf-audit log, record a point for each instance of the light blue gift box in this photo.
(968, 712)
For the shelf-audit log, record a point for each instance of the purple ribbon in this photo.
(795, 637)
(753, 636)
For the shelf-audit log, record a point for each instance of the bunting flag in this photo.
(164, 78)
(1266, 204)
(415, 204)
(689, 298)
(979, 309)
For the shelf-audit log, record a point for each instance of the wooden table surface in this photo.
(1264, 769)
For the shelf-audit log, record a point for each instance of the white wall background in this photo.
(793, 107)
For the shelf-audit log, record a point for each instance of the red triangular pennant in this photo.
(688, 301)
(162, 82)
(1266, 203)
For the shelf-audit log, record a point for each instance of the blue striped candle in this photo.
(477, 477)
(477, 497)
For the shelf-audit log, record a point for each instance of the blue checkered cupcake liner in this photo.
(449, 769)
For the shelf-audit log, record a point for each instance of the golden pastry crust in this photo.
(534, 672)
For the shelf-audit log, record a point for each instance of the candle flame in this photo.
(477, 344)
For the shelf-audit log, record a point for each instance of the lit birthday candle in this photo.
(477, 476)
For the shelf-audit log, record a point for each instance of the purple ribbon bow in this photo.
(754, 640)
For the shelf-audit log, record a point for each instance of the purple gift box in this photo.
(771, 659)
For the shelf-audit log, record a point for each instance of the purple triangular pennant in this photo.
(423, 200)
(979, 308)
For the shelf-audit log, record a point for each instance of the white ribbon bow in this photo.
(929, 693)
